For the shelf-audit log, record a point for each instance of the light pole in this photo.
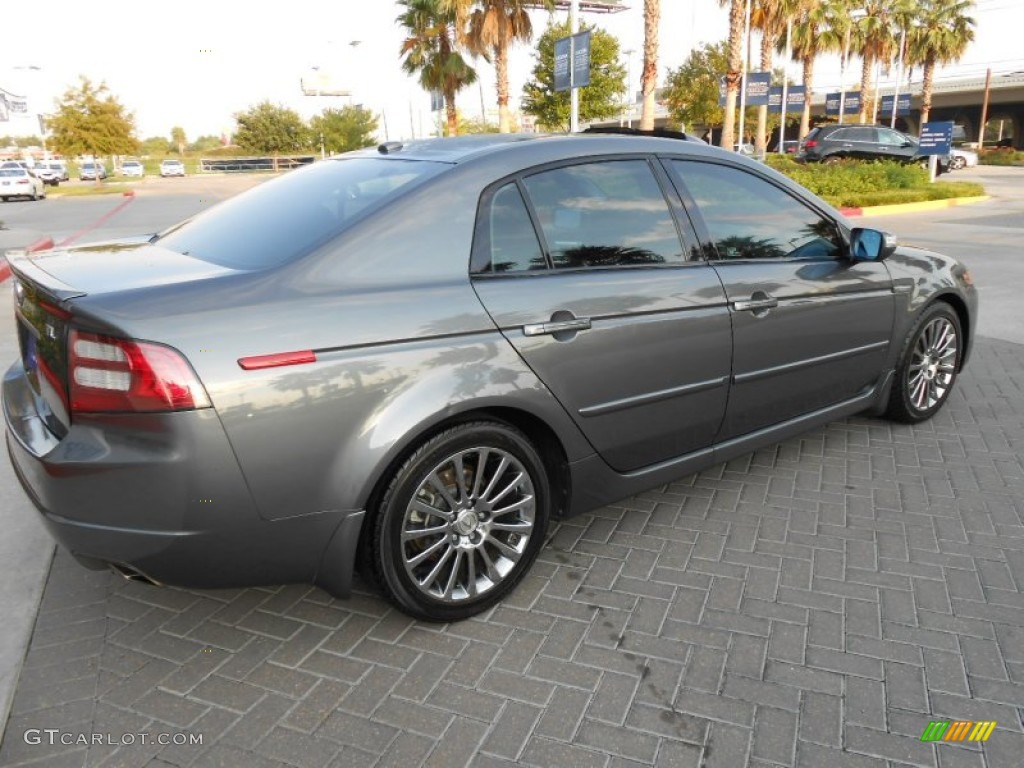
(899, 76)
(629, 86)
(785, 87)
(323, 154)
(743, 75)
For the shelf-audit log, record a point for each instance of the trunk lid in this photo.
(46, 286)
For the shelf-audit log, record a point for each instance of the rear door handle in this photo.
(755, 304)
(556, 326)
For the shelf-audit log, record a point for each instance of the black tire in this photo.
(928, 367)
(437, 549)
(957, 163)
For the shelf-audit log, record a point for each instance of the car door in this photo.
(583, 269)
(811, 327)
(895, 144)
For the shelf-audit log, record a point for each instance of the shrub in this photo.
(1001, 157)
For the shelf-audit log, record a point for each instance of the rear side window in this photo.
(513, 244)
(604, 214)
(284, 219)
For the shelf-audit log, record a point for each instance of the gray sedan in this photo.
(414, 357)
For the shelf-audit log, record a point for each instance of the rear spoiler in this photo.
(25, 267)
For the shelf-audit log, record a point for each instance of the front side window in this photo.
(748, 217)
(604, 214)
(891, 138)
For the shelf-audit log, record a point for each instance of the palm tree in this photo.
(649, 79)
(734, 74)
(814, 34)
(429, 49)
(940, 36)
(770, 17)
(875, 37)
(489, 30)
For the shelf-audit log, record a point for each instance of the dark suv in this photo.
(831, 143)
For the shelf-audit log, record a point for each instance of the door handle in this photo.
(556, 326)
(755, 304)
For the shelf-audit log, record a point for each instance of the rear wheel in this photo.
(957, 163)
(928, 366)
(461, 522)
(832, 160)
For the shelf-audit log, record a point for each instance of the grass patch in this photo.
(86, 190)
(856, 184)
(1001, 157)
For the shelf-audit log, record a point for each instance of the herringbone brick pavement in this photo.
(814, 604)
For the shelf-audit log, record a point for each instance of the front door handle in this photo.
(755, 304)
(556, 326)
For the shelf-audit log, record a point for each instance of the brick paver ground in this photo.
(814, 604)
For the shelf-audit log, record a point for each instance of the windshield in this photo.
(286, 218)
(11, 172)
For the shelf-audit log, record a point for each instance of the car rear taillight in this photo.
(810, 143)
(109, 374)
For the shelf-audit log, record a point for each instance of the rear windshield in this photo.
(284, 219)
(12, 172)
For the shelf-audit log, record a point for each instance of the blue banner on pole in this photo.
(902, 108)
(581, 59)
(936, 138)
(795, 95)
(563, 80)
(758, 84)
(851, 103)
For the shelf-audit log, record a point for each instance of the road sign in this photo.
(936, 138)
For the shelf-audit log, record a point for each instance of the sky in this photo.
(199, 63)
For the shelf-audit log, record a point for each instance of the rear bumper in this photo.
(163, 495)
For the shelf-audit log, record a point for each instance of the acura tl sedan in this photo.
(414, 357)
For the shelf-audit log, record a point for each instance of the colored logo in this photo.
(958, 730)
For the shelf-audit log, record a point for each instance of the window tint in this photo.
(513, 245)
(604, 214)
(750, 218)
(286, 218)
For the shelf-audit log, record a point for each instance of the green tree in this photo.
(770, 17)
(602, 98)
(155, 145)
(429, 50)
(649, 78)
(942, 33)
(269, 128)
(875, 37)
(691, 91)
(91, 121)
(178, 138)
(345, 129)
(205, 144)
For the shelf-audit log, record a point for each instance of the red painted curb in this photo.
(852, 211)
(5, 270)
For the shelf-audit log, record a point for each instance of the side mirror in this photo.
(871, 244)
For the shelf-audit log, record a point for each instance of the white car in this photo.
(20, 182)
(172, 168)
(962, 158)
(51, 171)
(132, 168)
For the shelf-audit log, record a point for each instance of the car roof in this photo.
(461, 149)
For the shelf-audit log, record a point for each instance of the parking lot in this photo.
(817, 603)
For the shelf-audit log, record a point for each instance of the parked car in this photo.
(16, 181)
(51, 172)
(416, 356)
(90, 171)
(833, 143)
(132, 168)
(172, 168)
(962, 158)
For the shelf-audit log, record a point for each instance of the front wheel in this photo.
(928, 366)
(957, 163)
(461, 521)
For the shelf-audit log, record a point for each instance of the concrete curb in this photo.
(923, 205)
